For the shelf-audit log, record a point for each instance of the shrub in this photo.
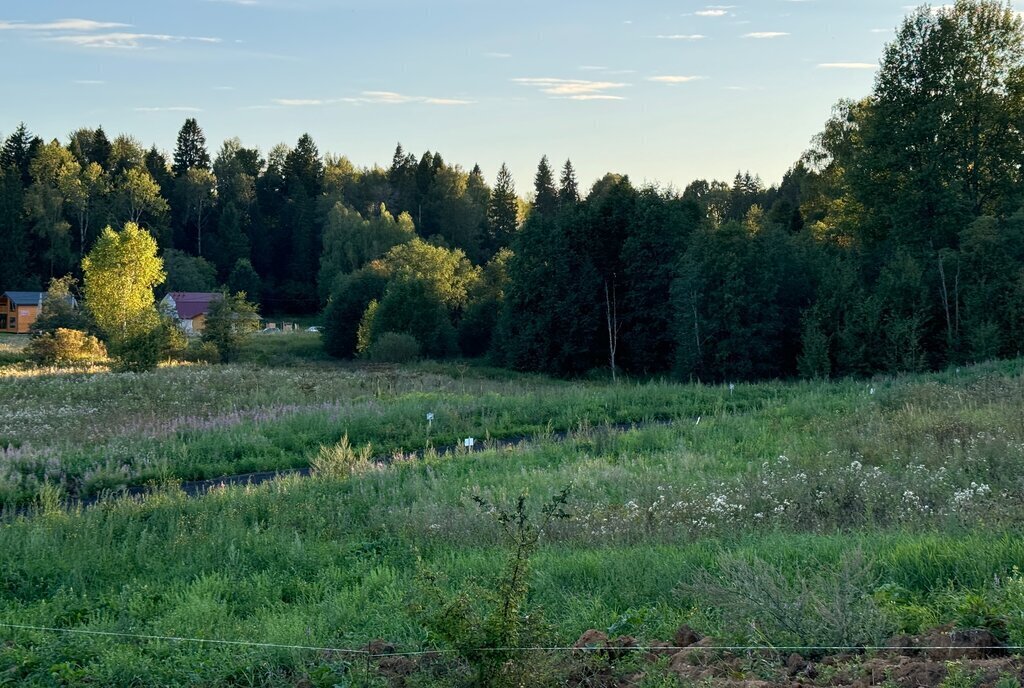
(230, 320)
(761, 604)
(485, 624)
(199, 351)
(64, 347)
(140, 352)
(394, 347)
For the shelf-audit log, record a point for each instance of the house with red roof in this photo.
(189, 308)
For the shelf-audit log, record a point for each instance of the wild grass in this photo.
(922, 477)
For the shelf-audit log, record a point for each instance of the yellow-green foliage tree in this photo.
(120, 272)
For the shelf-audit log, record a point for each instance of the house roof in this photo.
(189, 304)
(25, 298)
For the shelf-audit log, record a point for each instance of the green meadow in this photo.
(909, 487)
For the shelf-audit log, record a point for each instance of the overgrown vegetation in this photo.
(670, 521)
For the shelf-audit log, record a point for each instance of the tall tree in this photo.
(190, 152)
(545, 194)
(56, 182)
(940, 139)
(18, 151)
(502, 213)
(568, 188)
(120, 273)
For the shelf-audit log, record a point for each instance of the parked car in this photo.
(314, 328)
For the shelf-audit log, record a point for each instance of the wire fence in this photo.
(368, 655)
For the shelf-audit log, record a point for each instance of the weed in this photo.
(489, 638)
(341, 460)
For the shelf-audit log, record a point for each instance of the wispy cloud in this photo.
(89, 82)
(711, 13)
(371, 97)
(847, 65)
(573, 89)
(60, 25)
(128, 41)
(498, 56)
(672, 79)
(766, 34)
(300, 102)
(169, 108)
(682, 37)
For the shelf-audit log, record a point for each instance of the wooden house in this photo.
(19, 309)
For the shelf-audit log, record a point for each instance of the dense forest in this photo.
(896, 243)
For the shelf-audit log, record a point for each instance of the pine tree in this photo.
(18, 151)
(546, 196)
(502, 213)
(190, 152)
(568, 189)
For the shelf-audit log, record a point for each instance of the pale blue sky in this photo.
(662, 90)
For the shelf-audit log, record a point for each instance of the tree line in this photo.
(895, 243)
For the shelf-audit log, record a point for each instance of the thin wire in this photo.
(211, 641)
(643, 648)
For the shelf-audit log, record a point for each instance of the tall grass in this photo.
(794, 475)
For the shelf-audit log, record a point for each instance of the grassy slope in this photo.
(327, 562)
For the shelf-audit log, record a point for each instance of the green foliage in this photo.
(393, 347)
(447, 275)
(411, 307)
(120, 272)
(814, 362)
(65, 347)
(60, 310)
(230, 320)
(488, 625)
(959, 676)
(364, 334)
(188, 273)
(245, 279)
(761, 604)
(345, 310)
(350, 241)
(160, 340)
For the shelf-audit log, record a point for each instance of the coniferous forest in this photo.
(894, 243)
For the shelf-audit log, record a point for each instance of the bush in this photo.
(201, 352)
(65, 347)
(231, 319)
(760, 604)
(394, 347)
(140, 352)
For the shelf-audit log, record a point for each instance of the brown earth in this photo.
(921, 661)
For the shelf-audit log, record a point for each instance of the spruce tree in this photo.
(568, 189)
(546, 196)
(190, 152)
(502, 213)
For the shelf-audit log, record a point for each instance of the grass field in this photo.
(918, 479)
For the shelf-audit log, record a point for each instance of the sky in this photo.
(666, 91)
